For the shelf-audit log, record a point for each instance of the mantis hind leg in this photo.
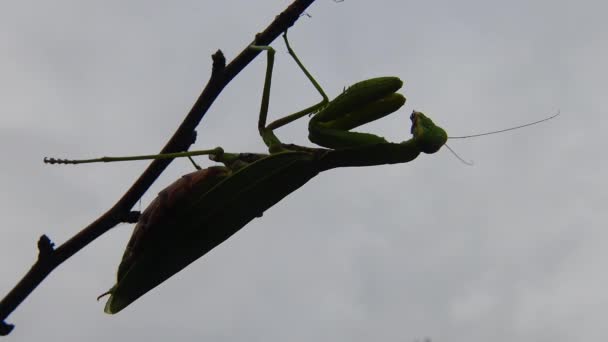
(267, 131)
(233, 161)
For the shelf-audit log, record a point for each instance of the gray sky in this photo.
(512, 249)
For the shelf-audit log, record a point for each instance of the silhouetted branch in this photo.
(49, 258)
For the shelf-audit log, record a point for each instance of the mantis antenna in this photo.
(507, 129)
(470, 163)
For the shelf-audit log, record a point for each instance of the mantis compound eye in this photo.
(414, 119)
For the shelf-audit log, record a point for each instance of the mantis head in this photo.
(428, 136)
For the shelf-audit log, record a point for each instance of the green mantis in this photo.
(202, 209)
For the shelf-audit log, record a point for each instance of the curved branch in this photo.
(49, 258)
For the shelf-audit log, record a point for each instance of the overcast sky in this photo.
(511, 249)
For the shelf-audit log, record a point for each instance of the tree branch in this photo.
(49, 258)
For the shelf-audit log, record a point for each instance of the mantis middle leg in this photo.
(330, 127)
(266, 131)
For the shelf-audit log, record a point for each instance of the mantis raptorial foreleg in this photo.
(330, 126)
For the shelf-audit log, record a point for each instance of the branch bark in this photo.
(49, 257)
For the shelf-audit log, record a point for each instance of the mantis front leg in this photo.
(359, 104)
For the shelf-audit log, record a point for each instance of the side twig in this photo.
(49, 257)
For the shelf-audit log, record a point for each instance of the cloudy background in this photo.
(511, 249)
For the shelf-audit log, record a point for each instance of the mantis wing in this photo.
(180, 235)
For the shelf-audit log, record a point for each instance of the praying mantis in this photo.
(202, 209)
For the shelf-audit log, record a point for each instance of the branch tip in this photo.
(219, 61)
(45, 247)
(6, 328)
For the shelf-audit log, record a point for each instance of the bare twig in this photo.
(49, 257)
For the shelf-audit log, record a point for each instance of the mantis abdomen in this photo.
(182, 234)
